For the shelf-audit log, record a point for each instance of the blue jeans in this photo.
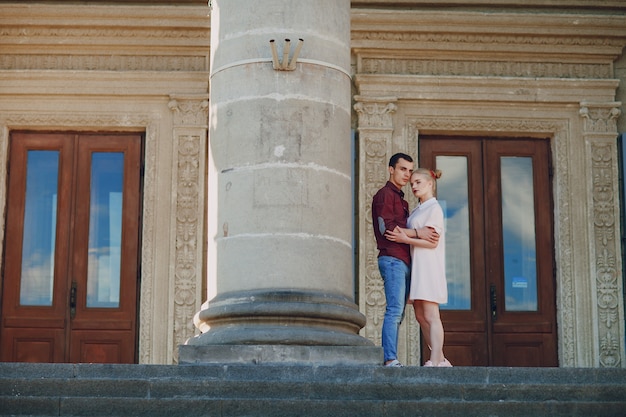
(397, 280)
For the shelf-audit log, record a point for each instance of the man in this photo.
(391, 210)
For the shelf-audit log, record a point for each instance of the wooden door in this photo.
(496, 195)
(71, 248)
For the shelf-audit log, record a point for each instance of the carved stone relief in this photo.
(599, 130)
(375, 129)
(445, 40)
(103, 62)
(190, 125)
(484, 68)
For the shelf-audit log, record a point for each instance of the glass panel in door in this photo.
(105, 229)
(518, 233)
(39, 236)
(452, 194)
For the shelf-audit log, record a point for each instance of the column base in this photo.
(281, 354)
(280, 317)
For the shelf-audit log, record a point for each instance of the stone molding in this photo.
(570, 4)
(190, 116)
(103, 62)
(394, 32)
(485, 89)
(458, 43)
(484, 68)
(429, 41)
(600, 132)
(101, 38)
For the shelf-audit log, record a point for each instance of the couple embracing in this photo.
(411, 256)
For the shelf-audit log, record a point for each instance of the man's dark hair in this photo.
(394, 159)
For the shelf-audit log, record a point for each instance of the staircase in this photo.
(307, 390)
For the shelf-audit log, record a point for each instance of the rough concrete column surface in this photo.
(280, 221)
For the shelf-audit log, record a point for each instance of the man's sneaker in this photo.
(394, 364)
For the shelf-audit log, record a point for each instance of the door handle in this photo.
(494, 307)
(73, 300)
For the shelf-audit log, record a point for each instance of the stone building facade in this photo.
(487, 68)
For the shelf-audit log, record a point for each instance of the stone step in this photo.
(297, 390)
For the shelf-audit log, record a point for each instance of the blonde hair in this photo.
(433, 175)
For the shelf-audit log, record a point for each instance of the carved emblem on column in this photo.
(375, 130)
(600, 131)
(190, 124)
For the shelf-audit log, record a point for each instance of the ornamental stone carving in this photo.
(375, 113)
(484, 68)
(190, 116)
(375, 129)
(189, 111)
(599, 130)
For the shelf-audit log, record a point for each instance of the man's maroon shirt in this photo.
(390, 209)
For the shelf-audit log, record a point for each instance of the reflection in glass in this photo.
(40, 217)
(105, 229)
(518, 234)
(452, 194)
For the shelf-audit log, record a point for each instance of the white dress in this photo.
(428, 266)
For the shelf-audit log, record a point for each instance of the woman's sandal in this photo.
(445, 364)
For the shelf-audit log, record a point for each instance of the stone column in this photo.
(280, 278)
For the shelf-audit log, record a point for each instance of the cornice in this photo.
(583, 4)
(495, 89)
(598, 25)
(561, 33)
(101, 83)
(72, 15)
(63, 27)
(104, 38)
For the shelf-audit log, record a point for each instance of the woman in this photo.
(428, 263)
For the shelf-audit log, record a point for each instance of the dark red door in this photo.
(71, 248)
(496, 195)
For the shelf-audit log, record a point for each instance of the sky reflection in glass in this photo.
(518, 234)
(452, 194)
(105, 230)
(38, 244)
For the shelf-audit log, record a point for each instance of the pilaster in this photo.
(599, 134)
(189, 133)
(375, 129)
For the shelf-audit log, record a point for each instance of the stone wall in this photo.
(531, 74)
(125, 68)
(554, 73)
